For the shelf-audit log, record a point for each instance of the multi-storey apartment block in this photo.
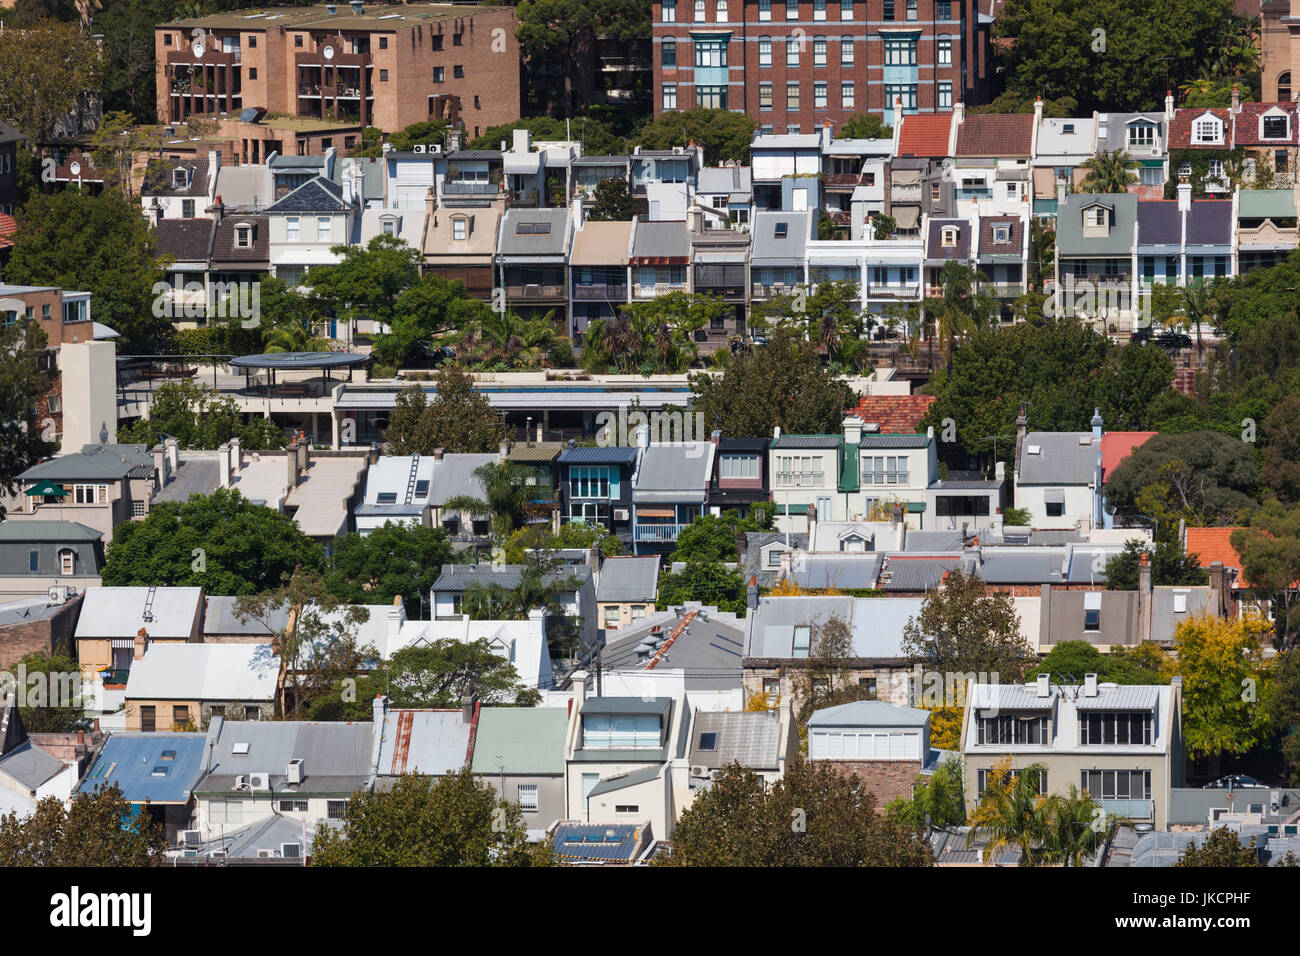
(795, 64)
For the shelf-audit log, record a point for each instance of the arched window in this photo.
(1284, 87)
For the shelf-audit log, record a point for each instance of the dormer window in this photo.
(1207, 130)
(1142, 134)
(1002, 234)
(1095, 217)
(1274, 127)
(67, 561)
(949, 236)
(460, 228)
(243, 236)
(782, 230)
(389, 227)
(180, 177)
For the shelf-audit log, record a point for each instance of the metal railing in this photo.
(657, 533)
(1132, 809)
(801, 479)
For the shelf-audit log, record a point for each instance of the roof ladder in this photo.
(410, 483)
(148, 604)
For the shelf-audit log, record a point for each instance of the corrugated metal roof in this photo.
(808, 441)
(458, 577)
(1011, 697)
(870, 440)
(1061, 459)
(842, 571)
(337, 756)
(520, 740)
(119, 612)
(23, 530)
(632, 778)
(869, 713)
(624, 578)
(129, 761)
(220, 618)
(915, 574)
(1123, 697)
(748, 738)
(431, 742)
(218, 672)
(682, 469)
(611, 455)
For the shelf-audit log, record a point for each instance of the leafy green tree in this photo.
(1227, 684)
(459, 419)
(705, 581)
(391, 561)
(812, 816)
(1270, 561)
(23, 383)
(221, 542)
(50, 713)
(46, 68)
(1071, 660)
(455, 820)
(1170, 566)
(558, 42)
(596, 135)
(289, 320)
(1075, 828)
(613, 202)
(116, 144)
(424, 133)
(865, 126)
(712, 537)
(1222, 848)
(97, 829)
(1201, 477)
(73, 240)
(367, 280)
(1108, 173)
(780, 383)
(509, 489)
(428, 309)
(657, 336)
(1062, 107)
(1047, 830)
(1280, 465)
(964, 628)
(938, 798)
(724, 134)
(829, 315)
(509, 339)
(575, 534)
(1126, 385)
(199, 418)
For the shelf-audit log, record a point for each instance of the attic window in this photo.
(387, 497)
(709, 740)
(802, 641)
(1180, 603)
(1092, 611)
(389, 227)
(949, 236)
(421, 488)
(1067, 128)
(1275, 127)
(180, 178)
(1035, 449)
(782, 230)
(533, 229)
(159, 771)
(243, 236)
(241, 747)
(1002, 234)
(1095, 216)
(169, 755)
(1207, 131)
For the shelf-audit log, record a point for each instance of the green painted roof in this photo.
(1070, 240)
(1266, 204)
(914, 506)
(520, 740)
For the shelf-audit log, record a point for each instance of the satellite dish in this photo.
(75, 169)
(197, 46)
(328, 52)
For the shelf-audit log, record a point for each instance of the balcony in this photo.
(531, 293)
(726, 290)
(762, 291)
(657, 533)
(840, 181)
(1002, 290)
(1130, 809)
(469, 188)
(600, 293)
(658, 289)
(801, 479)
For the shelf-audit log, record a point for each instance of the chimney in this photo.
(304, 453)
(161, 472)
(141, 643)
(1169, 104)
(896, 518)
(1043, 686)
(373, 457)
(784, 558)
(643, 436)
(172, 447)
(958, 112)
(715, 436)
(453, 139)
(1236, 98)
(236, 456)
(467, 708)
(1089, 685)
(291, 465)
(852, 430)
(396, 616)
(503, 450)
(223, 465)
(1144, 598)
(218, 209)
(1022, 429)
(1218, 594)
(1184, 194)
(438, 453)
(579, 680)
(751, 592)
(1062, 190)
(1038, 111)
(1096, 423)
(742, 543)
(812, 528)
(378, 707)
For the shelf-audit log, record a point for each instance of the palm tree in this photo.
(293, 338)
(1072, 832)
(957, 311)
(1199, 299)
(1011, 813)
(1108, 173)
(507, 492)
(1042, 246)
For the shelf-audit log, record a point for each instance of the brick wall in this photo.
(887, 779)
(50, 635)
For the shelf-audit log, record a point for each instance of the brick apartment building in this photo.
(795, 65)
(385, 65)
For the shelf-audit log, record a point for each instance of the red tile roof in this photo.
(1215, 544)
(924, 134)
(1180, 128)
(7, 230)
(996, 134)
(1247, 125)
(1116, 446)
(899, 414)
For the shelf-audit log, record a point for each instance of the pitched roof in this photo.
(165, 612)
(158, 177)
(749, 738)
(1209, 222)
(1062, 458)
(934, 247)
(626, 578)
(544, 232)
(242, 672)
(337, 756)
(185, 240)
(104, 462)
(8, 229)
(1159, 222)
(133, 762)
(458, 577)
(1070, 240)
(924, 134)
(1180, 128)
(869, 713)
(23, 531)
(601, 243)
(674, 472)
(994, 134)
(1116, 446)
(433, 742)
(315, 195)
(1266, 204)
(520, 740)
(1015, 235)
(1215, 544)
(661, 240)
(1247, 131)
(225, 249)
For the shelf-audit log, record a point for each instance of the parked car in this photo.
(1141, 337)
(1174, 340)
(1235, 781)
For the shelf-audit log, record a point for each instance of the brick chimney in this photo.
(223, 466)
(141, 643)
(1144, 598)
(751, 592)
(291, 465)
(1218, 590)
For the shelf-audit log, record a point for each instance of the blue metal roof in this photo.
(612, 455)
(159, 768)
(583, 841)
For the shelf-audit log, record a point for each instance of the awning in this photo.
(46, 488)
(1054, 496)
(914, 507)
(656, 512)
(906, 177)
(907, 217)
(122, 643)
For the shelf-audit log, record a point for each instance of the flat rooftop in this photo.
(375, 18)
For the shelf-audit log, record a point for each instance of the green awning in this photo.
(46, 488)
(793, 510)
(914, 507)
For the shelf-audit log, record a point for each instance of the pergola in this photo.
(274, 362)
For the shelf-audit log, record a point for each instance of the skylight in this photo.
(709, 740)
(240, 748)
(782, 229)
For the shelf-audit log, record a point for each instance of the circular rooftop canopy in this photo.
(297, 360)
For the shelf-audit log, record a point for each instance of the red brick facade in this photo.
(819, 29)
(887, 779)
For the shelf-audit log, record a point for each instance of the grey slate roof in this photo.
(1069, 225)
(869, 713)
(593, 842)
(458, 577)
(1164, 619)
(1061, 459)
(934, 247)
(158, 177)
(30, 765)
(315, 195)
(669, 239)
(454, 475)
(1209, 223)
(748, 738)
(193, 476)
(185, 240)
(890, 440)
(1112, 129)
(100, 462)
(625, 578)
(515, 243)
(40, 530)
(1159, 223)
(769, 250)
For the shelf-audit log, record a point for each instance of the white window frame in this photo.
(848, 95)
(764, 51)
(528, 797)
(846, 51)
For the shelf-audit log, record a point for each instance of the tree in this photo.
(115, 144)
(49, 712)
(865, 126)
(707, 582)
(1070, 661)
(439, 675)
(575, 534)
(595, 135)
(1280, 465)
(367, 280)
(199, 418)
(73, 240)
(613, 202)
(1011, 813)
(938, 798)
(1139, 54)
(24, 382)
(1108, 173)
(509, 490)
(724, 134)
(1131, 378)
(45, 71)
(1170, 566)
(965, 629)
(98, 828)
(781, 383)
(429, 308)
(455, 820)
(391, 561)
(812, 816)
(221, 542)
(829, 315)
(1227, 684)
(1221, 848)
(128, 53)
(459, 419)
(1062, 107)
(826, 679)
(712, 537)
(1270, 561)
(1201, 477)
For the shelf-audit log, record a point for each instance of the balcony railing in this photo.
(598, 293)
(534, 292)
(801, 479)
(657, 533)
(469, 188)
(658, 289)
(1132, 809)
(1002, 290)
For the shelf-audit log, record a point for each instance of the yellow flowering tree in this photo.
(1226, 684)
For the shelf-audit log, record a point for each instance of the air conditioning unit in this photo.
(190, 838)
(241, 782)
(419, 148)
(620, 514)
(295, 773)
(217, 855)
(291, 851)
(259, 781)
(701, 772)
(189, 854)
(266, 854)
